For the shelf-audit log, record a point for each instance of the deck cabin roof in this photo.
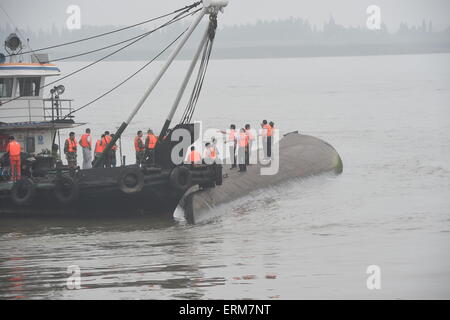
(28, 69)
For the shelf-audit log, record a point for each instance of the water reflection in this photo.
(116, 258)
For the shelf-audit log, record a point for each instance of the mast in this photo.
(209, 7)
(183, 85)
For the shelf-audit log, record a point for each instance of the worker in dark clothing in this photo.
(70, 150)
(139, 147)
(251, 138)
(242, 141)
(271, 137)
(113, 153)
(267, 138)
(108, 156)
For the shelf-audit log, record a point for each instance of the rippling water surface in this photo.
(387, 116)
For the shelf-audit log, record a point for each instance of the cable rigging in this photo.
(184, 14)
(188, 7)
(127, 79)
(190, 108)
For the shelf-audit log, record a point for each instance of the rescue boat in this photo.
(48, 187)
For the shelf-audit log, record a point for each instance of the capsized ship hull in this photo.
(299, 156)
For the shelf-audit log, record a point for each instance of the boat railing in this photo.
(29, 110)
(57, 109)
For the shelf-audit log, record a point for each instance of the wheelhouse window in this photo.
(31, 145)
(29, 87)
(6, 85)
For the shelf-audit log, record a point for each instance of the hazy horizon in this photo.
(349, 13)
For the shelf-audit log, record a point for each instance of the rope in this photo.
(193, 100)
(128, 78)
(175, 19)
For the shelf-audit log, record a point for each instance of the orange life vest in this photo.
(13, 148)
(72, 145)
(269, 129)
(137, 145)
(152, 139)
(243, 141)
(99, 147)
(195, 157)
(212, 153)
(85, 142)
(106, 140)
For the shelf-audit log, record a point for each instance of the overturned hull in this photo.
(299, 156)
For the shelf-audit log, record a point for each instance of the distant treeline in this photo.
(282, 38)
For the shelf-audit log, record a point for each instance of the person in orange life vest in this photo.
(150, 144)
(194, 157)
(211, 154)
(70, 150)
(105, 141)
(231, 144)
(13, 149)
(139, 147)
(150, 141)
(267, 138)
(251, 138)
(242, 141)
(99, 147)
(271, 137)
(86, 145)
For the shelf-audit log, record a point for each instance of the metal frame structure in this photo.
(209, 7)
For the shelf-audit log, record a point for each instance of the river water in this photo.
(388, 117)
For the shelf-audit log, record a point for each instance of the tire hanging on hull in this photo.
(23, 192)
(66, 190)
(131, 181)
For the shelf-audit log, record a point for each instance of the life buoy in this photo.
(23, 192)
(66, 190)
(180, 178)
(131, 180)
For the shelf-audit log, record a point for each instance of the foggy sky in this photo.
(43, 14)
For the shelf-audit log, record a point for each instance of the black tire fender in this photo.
(180, 178)
(66, 190)
(131, 180)
(23, 192)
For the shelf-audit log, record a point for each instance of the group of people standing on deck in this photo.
(145, 149)
(86, 144)
(240, 145)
